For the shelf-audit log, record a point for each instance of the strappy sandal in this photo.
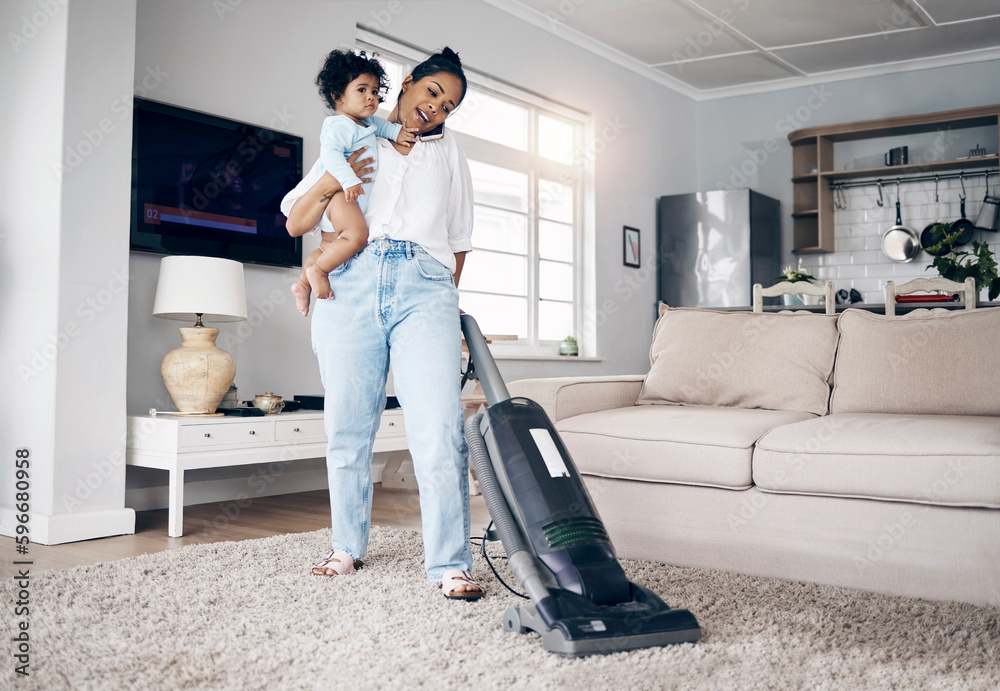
(454, 578)
(341, 563)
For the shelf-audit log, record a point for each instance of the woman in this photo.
(398, 298)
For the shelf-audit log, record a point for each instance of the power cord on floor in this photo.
(482, 545)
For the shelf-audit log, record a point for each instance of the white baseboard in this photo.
(60, 528)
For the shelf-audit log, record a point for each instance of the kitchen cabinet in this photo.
(813, 164)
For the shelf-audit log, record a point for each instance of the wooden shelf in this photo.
(889, 173)
(812, 150)
(981, 116)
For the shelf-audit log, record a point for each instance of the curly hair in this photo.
(343, 67)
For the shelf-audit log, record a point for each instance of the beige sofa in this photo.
(856, 450)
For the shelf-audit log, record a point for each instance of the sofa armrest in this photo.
(564, 397)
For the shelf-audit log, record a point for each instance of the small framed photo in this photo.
(631, 251)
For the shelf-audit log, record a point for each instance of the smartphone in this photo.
(431, 135)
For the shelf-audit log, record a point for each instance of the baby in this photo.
(352, 85)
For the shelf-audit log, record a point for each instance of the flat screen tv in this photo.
(209, 186)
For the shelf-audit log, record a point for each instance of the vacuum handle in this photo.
(480, 358)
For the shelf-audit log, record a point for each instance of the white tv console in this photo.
(180, 443)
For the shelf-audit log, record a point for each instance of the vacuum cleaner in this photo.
(581, 602)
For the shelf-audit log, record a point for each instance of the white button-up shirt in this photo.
(424, 197)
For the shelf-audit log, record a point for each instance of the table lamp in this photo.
(199, 373)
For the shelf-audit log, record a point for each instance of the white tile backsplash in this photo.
(858, 261)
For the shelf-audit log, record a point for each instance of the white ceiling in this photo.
(715, 48)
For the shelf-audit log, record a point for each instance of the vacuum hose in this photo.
(522, 561)
(510, 536)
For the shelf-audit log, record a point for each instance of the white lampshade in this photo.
(209, 286)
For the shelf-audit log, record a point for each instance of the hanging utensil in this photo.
(900, 243)
(963, 226)
(987, 218)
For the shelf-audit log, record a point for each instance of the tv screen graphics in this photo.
(210, 186)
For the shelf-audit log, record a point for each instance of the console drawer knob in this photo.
(295, 429)
(207, 434)
(253, 432)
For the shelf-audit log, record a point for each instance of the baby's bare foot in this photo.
(319, 282)
(300, 289)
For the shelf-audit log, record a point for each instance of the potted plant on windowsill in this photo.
(569, 346)
(980, 264)
(791, 275)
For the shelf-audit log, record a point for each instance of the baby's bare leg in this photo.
(347, 218)
(300, 289)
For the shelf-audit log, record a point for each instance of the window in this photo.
(524, 277)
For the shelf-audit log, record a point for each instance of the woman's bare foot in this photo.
(319, 282)
(301, 291)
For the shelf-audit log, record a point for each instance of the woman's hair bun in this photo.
(450, 55)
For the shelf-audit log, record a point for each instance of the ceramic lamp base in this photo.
(198, 373)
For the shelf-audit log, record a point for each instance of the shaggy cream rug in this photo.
(247, 615)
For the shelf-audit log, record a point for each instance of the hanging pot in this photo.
(963, 225)
(930, 239)
(900, 243)
(987, 218)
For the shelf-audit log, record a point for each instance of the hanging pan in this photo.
(930, 240)
(900, 243)
(963, 226)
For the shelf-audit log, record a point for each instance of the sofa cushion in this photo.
(681, 444)
(741, 359)
(951, 460)
(933, 364)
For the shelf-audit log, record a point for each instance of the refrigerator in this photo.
(713, 246)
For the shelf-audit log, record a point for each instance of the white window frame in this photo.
(580, 174)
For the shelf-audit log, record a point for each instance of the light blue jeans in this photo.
(393, 300)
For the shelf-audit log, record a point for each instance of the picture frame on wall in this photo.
(631, 246)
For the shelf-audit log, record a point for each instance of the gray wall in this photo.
(743, 141)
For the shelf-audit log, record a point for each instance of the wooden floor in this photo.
(226, 521)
